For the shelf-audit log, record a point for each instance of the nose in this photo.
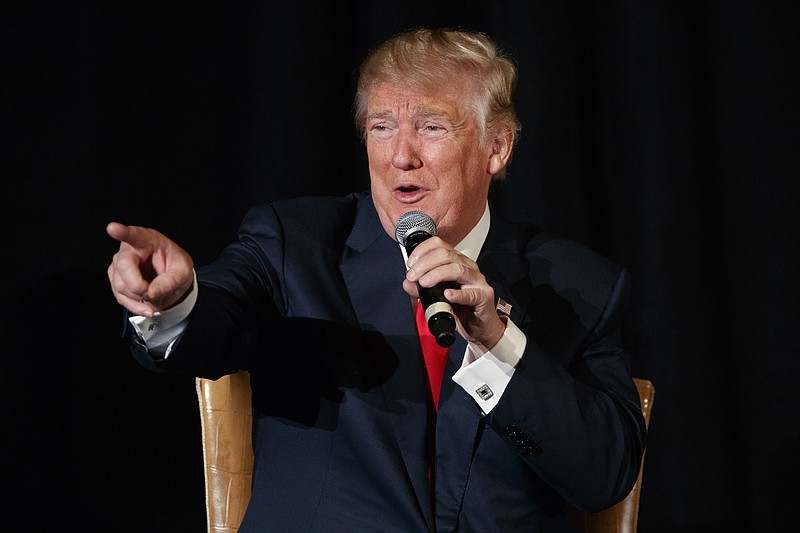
(405, 154)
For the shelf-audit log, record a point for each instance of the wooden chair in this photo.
(225, 421)
(225, 417)
(624, 516)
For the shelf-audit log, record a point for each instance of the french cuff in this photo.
(158, 333)
(485, 377)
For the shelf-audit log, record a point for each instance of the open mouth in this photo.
(409, 193)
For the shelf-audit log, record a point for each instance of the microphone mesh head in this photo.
(413, 220)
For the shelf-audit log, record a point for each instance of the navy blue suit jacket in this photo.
(310, 301)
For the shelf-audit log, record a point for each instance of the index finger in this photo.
(136, 236)
(427, 246)
(117, 231)
(430, 252)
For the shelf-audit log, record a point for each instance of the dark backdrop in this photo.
(663, 134)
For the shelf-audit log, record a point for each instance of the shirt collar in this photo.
(471, 244)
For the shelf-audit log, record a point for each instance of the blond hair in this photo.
(424, 58)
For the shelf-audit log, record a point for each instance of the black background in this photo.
(661, 133)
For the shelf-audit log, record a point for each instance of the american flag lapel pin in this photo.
(504, 307)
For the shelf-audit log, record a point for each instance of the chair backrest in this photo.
(225, 420)
(225, 416)
(624, 516)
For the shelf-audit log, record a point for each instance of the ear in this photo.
(502, 146)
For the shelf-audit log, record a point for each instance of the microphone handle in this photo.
(438, 311)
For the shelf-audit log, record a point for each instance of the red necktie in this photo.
(435, 359)
(435, 355)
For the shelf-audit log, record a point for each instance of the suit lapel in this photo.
(500, 263)
(373, 270)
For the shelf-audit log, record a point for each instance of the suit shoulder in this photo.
(311, 214)
(569, 252)
(571, 267)
(307, 208)
(562, 262)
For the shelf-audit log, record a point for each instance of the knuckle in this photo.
(120, 288)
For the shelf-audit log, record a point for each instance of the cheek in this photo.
(375, 155)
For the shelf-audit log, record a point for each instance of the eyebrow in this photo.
(379, 114)
(432, 112)
(424, 111)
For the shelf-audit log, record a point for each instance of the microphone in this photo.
(413, 228)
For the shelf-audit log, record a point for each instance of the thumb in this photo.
(169, 288)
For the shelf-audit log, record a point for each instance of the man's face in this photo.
(425, 153)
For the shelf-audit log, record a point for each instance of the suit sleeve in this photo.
(571, 410)
(237, 302)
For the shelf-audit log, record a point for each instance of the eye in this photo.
(380, 130)
(433, 130)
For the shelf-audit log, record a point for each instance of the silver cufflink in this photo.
(484, 392)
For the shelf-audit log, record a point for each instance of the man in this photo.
(536, 411)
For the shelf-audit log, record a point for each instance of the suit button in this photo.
(532, 450)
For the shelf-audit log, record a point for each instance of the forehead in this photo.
(447, 99)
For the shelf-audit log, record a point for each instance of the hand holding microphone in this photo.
(470, 303)
(412, 229)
